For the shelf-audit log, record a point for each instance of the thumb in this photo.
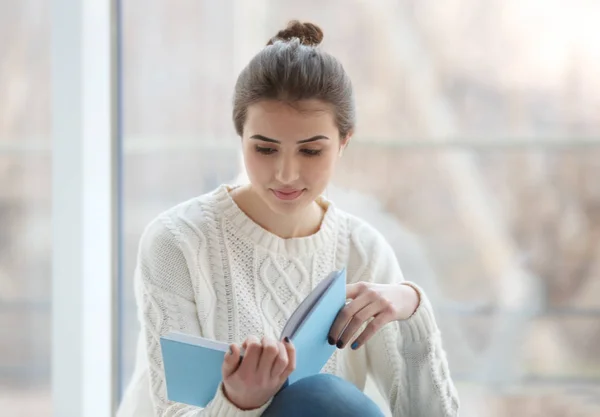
(232, 360)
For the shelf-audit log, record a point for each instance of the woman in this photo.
(233, 264)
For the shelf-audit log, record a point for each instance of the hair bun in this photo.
(309, 34)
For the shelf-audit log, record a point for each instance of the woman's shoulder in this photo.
(186, 220)
(360, 230)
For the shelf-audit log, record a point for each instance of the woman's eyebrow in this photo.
(266, 139)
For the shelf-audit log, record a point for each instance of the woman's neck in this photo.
(303, 223)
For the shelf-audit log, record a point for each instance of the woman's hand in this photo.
(264, 368)
(377, 303)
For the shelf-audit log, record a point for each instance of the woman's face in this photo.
(290, 152)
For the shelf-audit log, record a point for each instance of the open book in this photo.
(193, 364)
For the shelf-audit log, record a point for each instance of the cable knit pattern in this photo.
(205, 268)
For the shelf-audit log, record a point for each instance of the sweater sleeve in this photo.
(405, 358)
(166, 302)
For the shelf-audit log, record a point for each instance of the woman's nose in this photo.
(287, 170)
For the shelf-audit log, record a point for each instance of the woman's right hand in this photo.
(263, 370)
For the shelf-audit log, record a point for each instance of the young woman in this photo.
(233, 264)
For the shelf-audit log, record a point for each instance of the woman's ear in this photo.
(344, 142)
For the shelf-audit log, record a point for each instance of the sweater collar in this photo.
(299, 246)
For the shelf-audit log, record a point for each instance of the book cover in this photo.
(193, 364)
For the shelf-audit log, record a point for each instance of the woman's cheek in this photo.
(321, 171)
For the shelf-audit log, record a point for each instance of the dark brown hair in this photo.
(292, 68)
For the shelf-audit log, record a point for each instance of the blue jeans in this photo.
(322, 395)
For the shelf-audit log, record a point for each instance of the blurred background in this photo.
(477, 155)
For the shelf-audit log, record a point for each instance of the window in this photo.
(478, 140)
(25, 209)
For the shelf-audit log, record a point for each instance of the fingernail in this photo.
(330, 340)
(286, 339)
(354, 345)
(230, 351)
(339, 344)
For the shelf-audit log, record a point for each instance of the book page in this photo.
(197, 341)
(306, 306)
(201, 341)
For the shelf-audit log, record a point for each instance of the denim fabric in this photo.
(322, 395)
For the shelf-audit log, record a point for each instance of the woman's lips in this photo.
(287, 194)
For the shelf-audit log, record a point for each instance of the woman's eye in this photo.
(311, 152)
(265, 151)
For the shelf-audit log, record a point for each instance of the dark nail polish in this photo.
(286, 339)
(330, 340)
(354, 345)
(339, 344)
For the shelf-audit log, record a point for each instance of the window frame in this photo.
(85, 207)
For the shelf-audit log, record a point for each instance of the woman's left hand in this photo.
(383, 303)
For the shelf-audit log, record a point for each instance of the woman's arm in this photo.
(405, 357)
(166, 301)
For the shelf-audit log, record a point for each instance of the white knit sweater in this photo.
(205, 268)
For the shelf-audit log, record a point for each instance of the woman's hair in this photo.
(291, 68)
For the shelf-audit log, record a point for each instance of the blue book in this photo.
(193, 364)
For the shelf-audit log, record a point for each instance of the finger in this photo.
(281, 361)
(354, 290)
(252, 355)
(245, 343)
(291, 353)
(376, 324)
(346, 314)
(360, 318)
(232, 361)
(270, 350)
(250, 339)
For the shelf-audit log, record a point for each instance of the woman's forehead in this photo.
(282, 115)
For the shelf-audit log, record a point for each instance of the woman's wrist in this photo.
(242, 407)
(414, 299)
(225, 407)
